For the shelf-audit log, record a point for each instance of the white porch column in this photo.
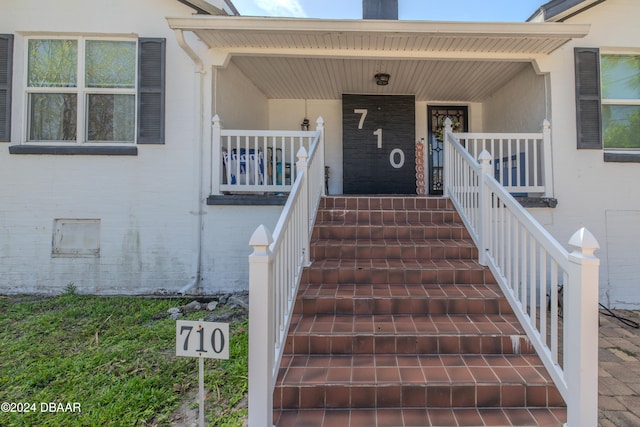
(547, 159)
(581, 331)
(216, 155)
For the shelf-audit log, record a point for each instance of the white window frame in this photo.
(82, 92)
(622, 102)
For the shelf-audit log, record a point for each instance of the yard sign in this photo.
(202, 339)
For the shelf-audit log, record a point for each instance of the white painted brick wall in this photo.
(145, 203)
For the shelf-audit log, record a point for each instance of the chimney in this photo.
(380, 9)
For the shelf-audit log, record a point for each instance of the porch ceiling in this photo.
(329, 78)
(322, 59)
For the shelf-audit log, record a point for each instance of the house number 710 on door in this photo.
(396, 157)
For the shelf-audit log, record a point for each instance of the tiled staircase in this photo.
(396, 324)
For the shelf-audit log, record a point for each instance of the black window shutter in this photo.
(6, 70)
(151, 81)
(588, 101)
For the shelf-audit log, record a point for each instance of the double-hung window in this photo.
(620, 85)
(81, 90)
(85, 92)
(608, 103)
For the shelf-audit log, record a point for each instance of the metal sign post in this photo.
(202, 339)
(201, 391)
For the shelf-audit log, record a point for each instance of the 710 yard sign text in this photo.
(196, 338)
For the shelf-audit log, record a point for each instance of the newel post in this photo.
(261, 330)
(216, 155)
(581, 331)
(484, 206)
(446, 162)
(302, 167)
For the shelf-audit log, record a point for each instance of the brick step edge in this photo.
(363, 396)
(522, 417)
(385, 202)
(392, 249)
(324, 274)
(399, 305)
(387, 217)
(306, 344)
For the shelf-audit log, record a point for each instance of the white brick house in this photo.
(142, 209)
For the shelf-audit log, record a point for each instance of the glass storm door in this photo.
(436, 116)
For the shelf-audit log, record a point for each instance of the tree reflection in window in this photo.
(620, 79)
(102, 102)
(53, 63)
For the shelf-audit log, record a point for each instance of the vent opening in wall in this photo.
(76, 238)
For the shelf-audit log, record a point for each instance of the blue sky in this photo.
(432, 10)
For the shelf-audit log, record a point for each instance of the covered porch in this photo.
(268, 80)
(263, 163)
(489, 83)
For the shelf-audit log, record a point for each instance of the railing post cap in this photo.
(302, 154)
(261, 239)
(485, 157)
(546, 124)
(320, 121)
(448, 122)
(584, 242)
(215, 120)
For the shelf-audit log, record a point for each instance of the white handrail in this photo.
(553, 293)
(275, 270)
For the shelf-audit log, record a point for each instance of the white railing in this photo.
(255, 161)
(553, 292)
(275, 269)
(521, 162)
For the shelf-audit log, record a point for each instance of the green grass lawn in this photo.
(113, 357)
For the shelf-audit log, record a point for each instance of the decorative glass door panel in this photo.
(436, 116)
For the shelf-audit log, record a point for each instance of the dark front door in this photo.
(379, 144)
(436, 115)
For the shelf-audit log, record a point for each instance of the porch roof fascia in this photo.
(249, 23)
(206, 8)
(246, 35)
(560, 10)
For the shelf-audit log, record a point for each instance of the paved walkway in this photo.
(619, 376)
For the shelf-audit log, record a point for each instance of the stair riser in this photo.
(385, 203)
(379, 232)
(415, 395)
(396, 276)
(365, 250)
(407, 344)
(394, 305)
(388, 218)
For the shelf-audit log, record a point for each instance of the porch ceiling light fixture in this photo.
(382, 79)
